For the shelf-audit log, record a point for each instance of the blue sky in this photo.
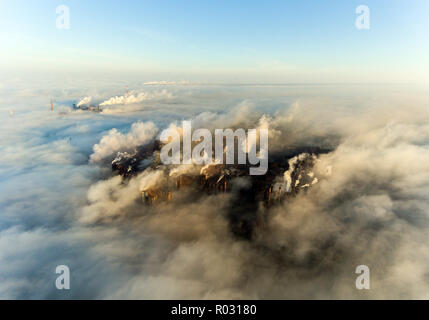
(256, 41)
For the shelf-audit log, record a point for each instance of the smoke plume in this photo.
(138, 97)
(84, 101)
(115, 141)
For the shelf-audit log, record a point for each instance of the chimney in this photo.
(269, 195)
(52, 105)
(179, 182)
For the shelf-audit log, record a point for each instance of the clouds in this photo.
(61, 204)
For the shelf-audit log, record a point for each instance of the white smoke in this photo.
(115, 141)
(151, 179)
(84, 101)
(138, 97)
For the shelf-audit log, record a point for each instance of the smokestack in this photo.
(52, 105)
(269, 195)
